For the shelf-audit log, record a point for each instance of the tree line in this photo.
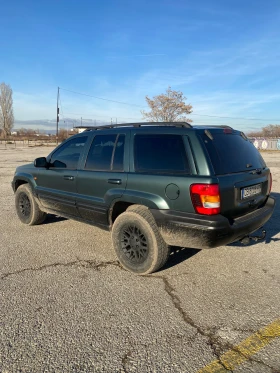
(272, 130)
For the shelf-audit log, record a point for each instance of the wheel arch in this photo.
(21, 179)
(147, 200)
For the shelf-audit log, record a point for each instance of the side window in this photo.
(68, 155)
(106, 153)
(100, 153)
(162, 154)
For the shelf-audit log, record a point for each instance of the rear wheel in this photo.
(27, 208)
(137, 241)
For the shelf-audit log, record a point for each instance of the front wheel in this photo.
(27, 208)
(137, 241)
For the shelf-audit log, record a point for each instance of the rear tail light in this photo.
(269, 183)
(206, 198)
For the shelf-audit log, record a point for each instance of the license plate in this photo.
(251, 191)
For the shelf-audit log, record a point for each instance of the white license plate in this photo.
(251, 191)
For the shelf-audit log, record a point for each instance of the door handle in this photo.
(68, 178)
(114, 181)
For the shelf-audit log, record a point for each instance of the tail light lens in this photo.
(206, 198)
(269, 183)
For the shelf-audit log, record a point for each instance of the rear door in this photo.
(243, 176)
(103, 176)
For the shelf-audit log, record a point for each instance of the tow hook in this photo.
(246, 240)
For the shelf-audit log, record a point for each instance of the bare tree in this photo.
(62, 134)
(167, 107)
(6, 109)
(272, 130)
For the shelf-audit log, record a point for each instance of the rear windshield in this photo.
(230, 153)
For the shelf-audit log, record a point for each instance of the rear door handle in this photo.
(68, 177)
(114, 181)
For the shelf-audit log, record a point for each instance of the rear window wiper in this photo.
(256, 171)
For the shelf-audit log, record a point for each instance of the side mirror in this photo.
(41, 162)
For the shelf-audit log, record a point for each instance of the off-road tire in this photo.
(27, 208)
(138, 222)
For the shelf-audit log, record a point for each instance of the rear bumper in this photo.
(201, 231)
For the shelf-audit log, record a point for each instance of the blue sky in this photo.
(223, 55)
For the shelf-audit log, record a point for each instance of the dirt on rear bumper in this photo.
(199, 231)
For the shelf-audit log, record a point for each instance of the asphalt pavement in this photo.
(67, 306)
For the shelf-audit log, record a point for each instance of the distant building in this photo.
(80, 129)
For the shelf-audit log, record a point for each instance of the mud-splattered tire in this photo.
(27, 208)
(137, 241)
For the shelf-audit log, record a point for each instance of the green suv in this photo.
(152, 185)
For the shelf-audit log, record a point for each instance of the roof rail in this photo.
(171, 124)
(212, 126)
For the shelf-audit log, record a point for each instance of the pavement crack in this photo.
(213, 341)
(217, 346)
(125, 359)
(177, 303)
(81, 263)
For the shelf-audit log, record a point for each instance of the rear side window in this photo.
(162, 154)
(106, 153)
(230, 153)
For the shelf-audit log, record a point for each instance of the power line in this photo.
(201, 115)
(100, 116)
(101, 98)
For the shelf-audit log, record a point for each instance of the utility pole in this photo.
(67, 127)
(116, 120)
(81, 121)
(57, 115)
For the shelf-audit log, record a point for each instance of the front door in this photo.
(56, 186)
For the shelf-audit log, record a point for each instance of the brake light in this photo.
(269, 183)
(228, 130)
(206, 198)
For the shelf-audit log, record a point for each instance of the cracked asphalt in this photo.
(67, 306)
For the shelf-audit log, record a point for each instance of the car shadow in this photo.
(50, 219)
(179, 255)
(272, 227)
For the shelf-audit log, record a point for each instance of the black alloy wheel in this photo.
(24, 205)
(134, 244)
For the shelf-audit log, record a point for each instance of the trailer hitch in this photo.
(246, 240)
